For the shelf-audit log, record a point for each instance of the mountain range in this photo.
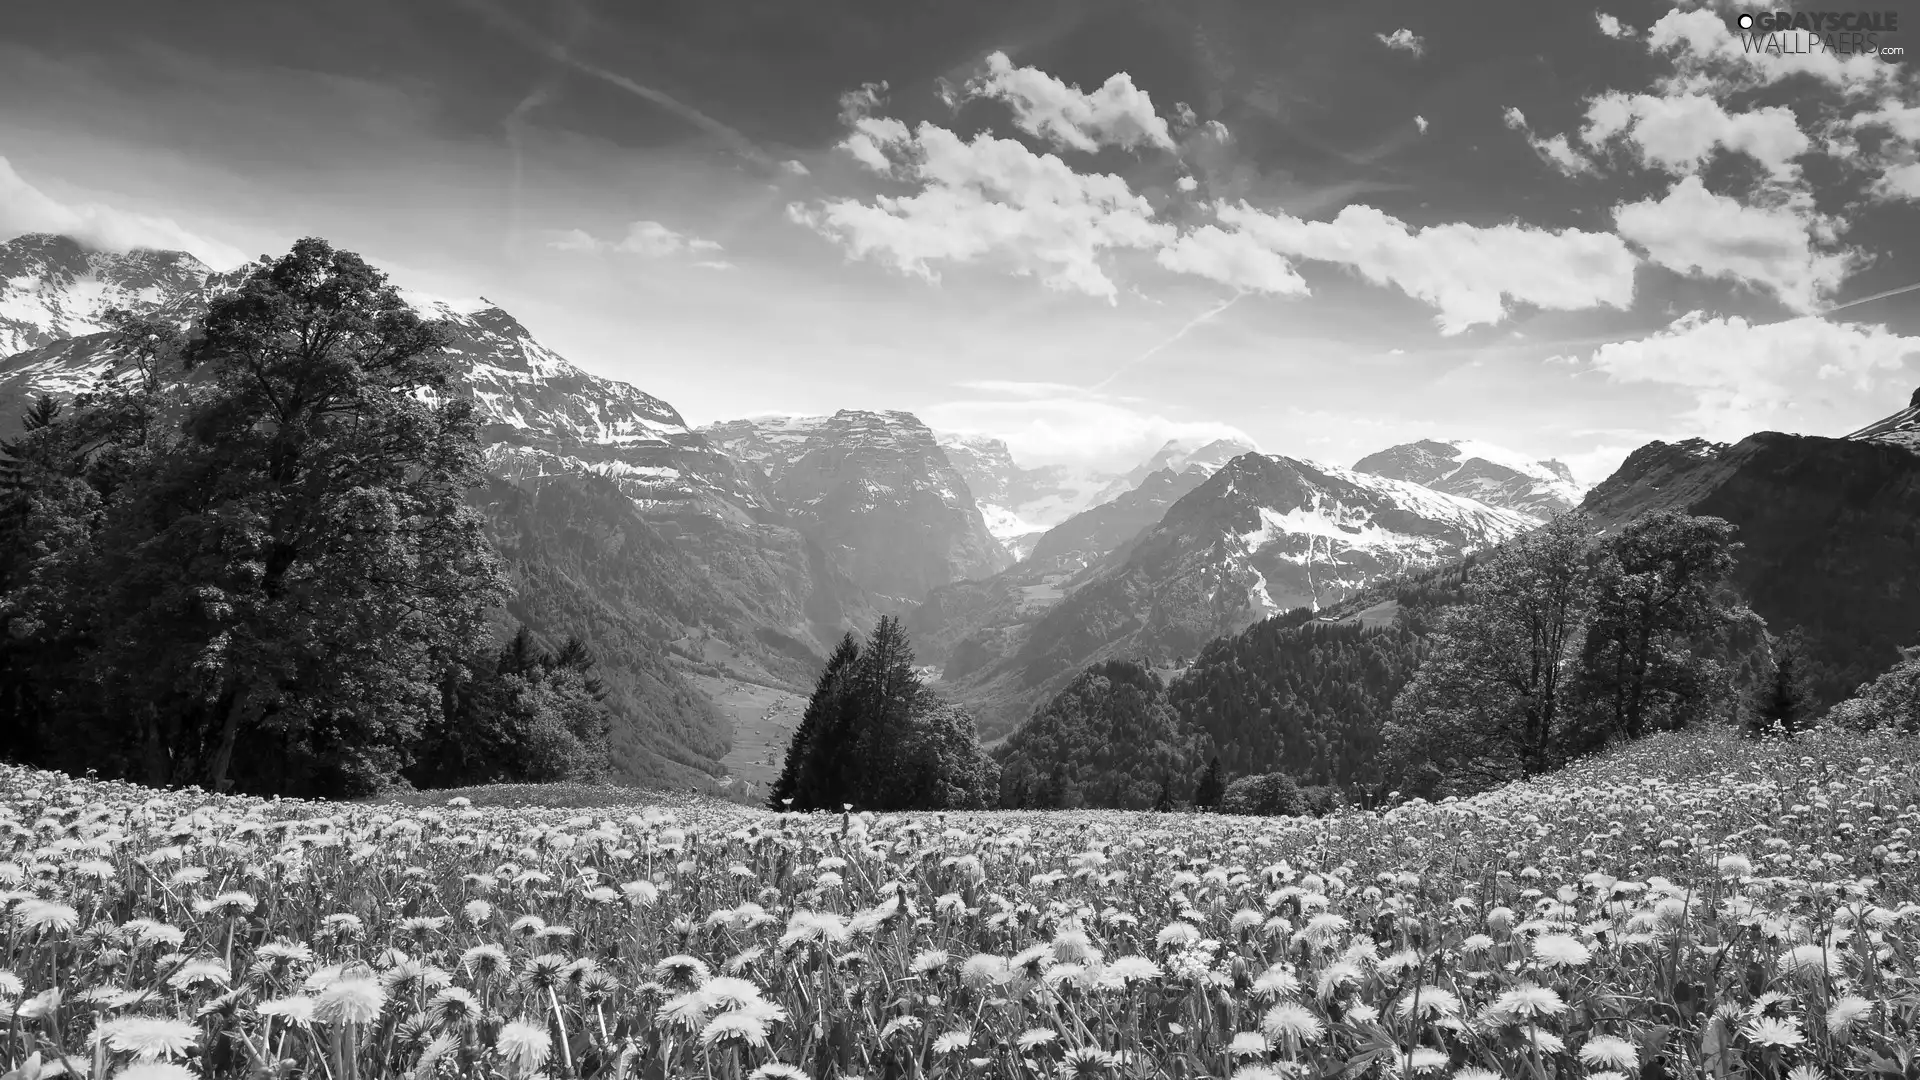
(698, 560)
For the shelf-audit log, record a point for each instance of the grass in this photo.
(1694, 905)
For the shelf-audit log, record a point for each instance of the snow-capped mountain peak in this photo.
(1492, 474)
(52, 288)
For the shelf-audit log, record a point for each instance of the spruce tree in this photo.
(820, 732)
(1206, 794)
(1164, 801)
(1783, 700)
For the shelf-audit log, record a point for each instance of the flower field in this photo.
(1691, 906)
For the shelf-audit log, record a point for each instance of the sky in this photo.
(1085, 227)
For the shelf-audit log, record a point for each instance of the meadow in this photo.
(1694, 905)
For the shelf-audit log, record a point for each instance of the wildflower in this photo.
(35, 915)
(737, 1025)
(953, 1041)
(1248, 1044)
(294, 1010)
(1809, 960)
(350, 1001)
(1845, 1013)
(1560, 950)
(1425, 1059)
(775, 1070)
(1610, 1051)
(148, 1038)
(682, 971)
(1292, 1024)
(1033, 1037)
(1528, 1000)
(526, 1045)
(1771, 1031)
(1083, 1061)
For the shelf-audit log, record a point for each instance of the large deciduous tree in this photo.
(274, 564)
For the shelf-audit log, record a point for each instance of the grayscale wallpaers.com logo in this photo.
(1842, 32)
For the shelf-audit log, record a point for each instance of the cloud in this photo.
(1709, 56)
(795, 168)
(1898, 161)
(26, 209)
(1421, 123)
(984, 200)
(1232, 258)
(1117, 114)
(1693, 231)
(1612, 27)
(647, 238)
(1404, 40)
(1072, 428)
(1554, 151)
(1678, 133)
(1746, 378)
(1468, 273)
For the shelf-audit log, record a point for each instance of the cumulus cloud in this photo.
(1804, 374)
(1117, 114)
(1232, 258)
(1898, 159)
(1469, 274)
(984, 200)
(1555, 151)
(1709, 57)
(1693, 231)
(648, 238)
(1404, 40)
(26, 209)
(1678, 133)
(1421, 123)
(1072, 427)
(1611, 26)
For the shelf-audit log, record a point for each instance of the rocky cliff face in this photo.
(878, 491)
(1826, 528)
(1489, 474)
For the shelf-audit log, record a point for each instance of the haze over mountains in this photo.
(695, 560)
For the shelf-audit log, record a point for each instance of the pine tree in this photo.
(800, 777)
(1784, 699)
(1206, 794)
(873, 737)
(1164, 801)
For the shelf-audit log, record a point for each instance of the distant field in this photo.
(762, 719)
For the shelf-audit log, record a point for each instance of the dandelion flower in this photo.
(351, 1001)
(297, 1009)
(1810, 961)
(1528, 1000)
(1610, 1051)
(1845, 1013)
(1560, 950)
(1083, 1061)
(1771, 1031)
(735, 1026)
(32, 915)
(953, 1041)
(777, 1070)
(526, 1045)
(148, 1038)
(1248, 1044)
(1293, 1023)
